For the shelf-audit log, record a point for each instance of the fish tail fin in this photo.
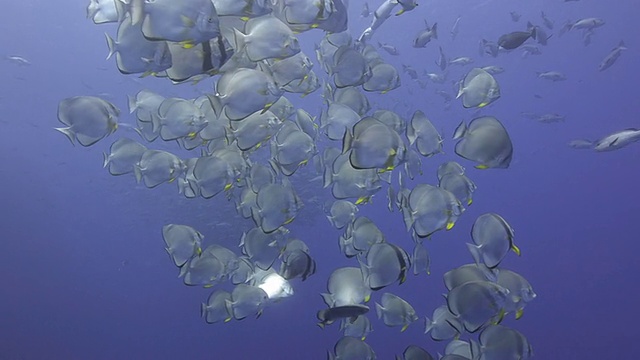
(621, 45)
(105, 160)
(113, 46)
(428, 325)
(475, 252)
(379, 310)
(137, 172)
(434, 30)
(460, 89)
(203, 309)
(68, 133)
(239, 39)
(133, 104)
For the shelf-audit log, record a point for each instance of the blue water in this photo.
(84, 274)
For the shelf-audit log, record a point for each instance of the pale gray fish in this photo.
(245, 91)
(455, 28)
(466, 273)
(255, 129)
(247, 300)
(88, 119)
(443, 325)
(337, 21)
(306, 86)
(292, 148)
(277, 205)
(515, 17)
(384, 78)
(436, 78)
(348, 182)
(551, 75)
(157, 167)
(360, 327)
(617, 140)
(337, 119)
(500, 342)
(229, 260)
(421, 132)
(259, 176)
(306, 123)
(581, 144)
(18, 60)
(612, 57)
(349, 67)
(123, 154)
(478, 89)
(291, 70)
(420, 259)
(179, 118)
(333, 314)
(390, 49)
(373, 145)
(203, 270)
(245, 202)
(351, 348)
(461, 61)
(485, 141)
(476, 303)
(144, 101)
(346, 286)
(215, 309)
(266, 37)
(413, 164)
(282, 108)
(353, 98)
(211, 176)
(198, 62)
(459, 347)
(493, 70)
(341, 213)
(297, 263)
(391, 195)
(449, 168)
(217, 124)
(520, 291)
(460, 186)
(135, 54)
(391, 119)
(385, 264)
(430, 209)
(426, 35)
(364, 233)
(492, 239)
(395, 311)
(586, 24)
(244, 9)
(183, 242)
(244, 272)
(409, 70)
(103, 11)
(189, 22)
(545, 118)
(414, 352)
(260, 247)
(302, 15)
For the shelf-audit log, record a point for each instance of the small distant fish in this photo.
(613, 56)
(515, 17)
(365, 10)
(18, 60)
(514, 39)
(617, 140)
(551, 75)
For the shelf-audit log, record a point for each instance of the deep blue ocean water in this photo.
(84, 274)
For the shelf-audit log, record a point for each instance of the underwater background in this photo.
(84, 270)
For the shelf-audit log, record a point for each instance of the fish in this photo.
(612, 57)
(485, 141)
